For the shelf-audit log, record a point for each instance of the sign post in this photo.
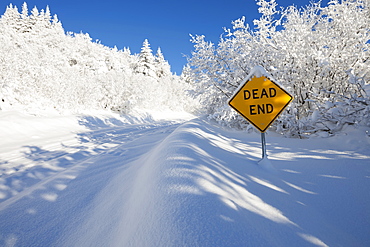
(263, 142)
(260, 100)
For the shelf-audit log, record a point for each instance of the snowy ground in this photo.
(106, 180)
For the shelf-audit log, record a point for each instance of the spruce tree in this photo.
(163, 68)
(11, 17)
(146, 63)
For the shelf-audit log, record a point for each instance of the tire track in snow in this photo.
(97, 138)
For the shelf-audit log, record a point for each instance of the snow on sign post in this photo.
(260, 100)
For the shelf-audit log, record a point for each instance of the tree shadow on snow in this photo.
(232, 201)
(43, 195)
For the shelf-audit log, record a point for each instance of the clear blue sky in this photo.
(165, 23)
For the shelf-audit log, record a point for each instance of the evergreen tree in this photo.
(11, 17)
(162, 66)
(24, 13)
(34, 15)
(146, 63)
(24, 21)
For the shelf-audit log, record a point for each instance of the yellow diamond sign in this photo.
(260, 100)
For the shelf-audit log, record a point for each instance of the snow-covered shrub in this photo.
(320, 54)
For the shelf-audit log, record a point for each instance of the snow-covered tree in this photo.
(146, 63)
(163, 68)
(11, 17)
(24, 13)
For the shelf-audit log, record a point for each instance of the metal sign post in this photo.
(263, 142)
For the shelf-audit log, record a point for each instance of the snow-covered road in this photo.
(50, 176)
(114, 181)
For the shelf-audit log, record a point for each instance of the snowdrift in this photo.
(201, 186)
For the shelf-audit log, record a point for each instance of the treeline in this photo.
(42, 66)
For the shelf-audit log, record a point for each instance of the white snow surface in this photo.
(175, 180)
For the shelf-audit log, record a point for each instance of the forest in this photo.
(42, 66)
(320, 54)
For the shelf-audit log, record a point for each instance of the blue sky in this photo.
(165, 23)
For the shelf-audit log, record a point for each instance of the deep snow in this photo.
(109, 180)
